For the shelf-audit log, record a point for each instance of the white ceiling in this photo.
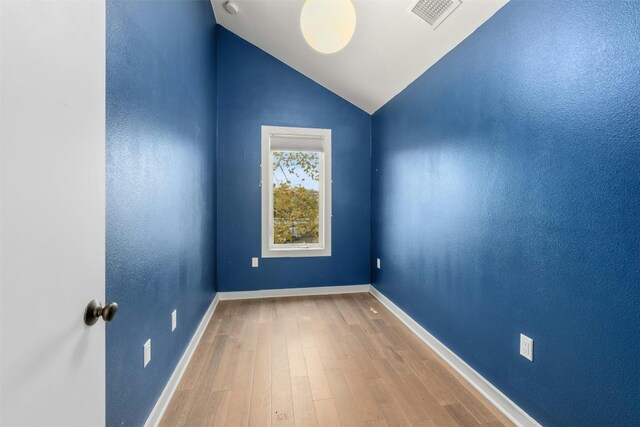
(391, 46)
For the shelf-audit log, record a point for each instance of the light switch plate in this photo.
(526, 347)
(378, 263)
(147, 352)
(254, 262)
(174, 320)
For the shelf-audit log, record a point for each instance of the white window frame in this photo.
(323, 247)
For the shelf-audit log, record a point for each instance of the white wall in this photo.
(52, 168)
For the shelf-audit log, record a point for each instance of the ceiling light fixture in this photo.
(328, 25)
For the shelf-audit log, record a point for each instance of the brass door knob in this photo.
(95, 310)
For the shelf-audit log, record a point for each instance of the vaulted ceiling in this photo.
(390, 48)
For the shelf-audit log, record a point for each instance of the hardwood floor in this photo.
(339, 360)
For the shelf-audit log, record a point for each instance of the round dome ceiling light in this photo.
(328, 25)
(231, 8)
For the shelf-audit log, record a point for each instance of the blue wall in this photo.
(255, 89)
(506, 199)
(161, 115)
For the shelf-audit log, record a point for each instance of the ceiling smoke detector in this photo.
(433, 12)
(231, 8)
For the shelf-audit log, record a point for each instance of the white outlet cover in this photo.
(254, 262)
(526, 347)
(147, 352)
(378, 263)
(174, 320)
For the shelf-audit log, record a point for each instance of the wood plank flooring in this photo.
(339, 360)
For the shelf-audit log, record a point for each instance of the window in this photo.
(296, 192)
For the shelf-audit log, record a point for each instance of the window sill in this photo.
(295, 252)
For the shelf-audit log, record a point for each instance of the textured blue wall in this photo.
(256, 89)
(506, 199)
(161, 115)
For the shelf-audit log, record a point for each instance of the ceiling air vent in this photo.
(435, 11)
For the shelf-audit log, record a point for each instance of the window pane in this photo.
(296, 202)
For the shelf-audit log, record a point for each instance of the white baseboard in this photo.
(490, 392)
(293, 292)
(163, 401)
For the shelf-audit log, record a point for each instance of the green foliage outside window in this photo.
(295, 197)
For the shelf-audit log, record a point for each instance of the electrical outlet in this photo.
(378, 263)
(254, 262)
(526, 347)
(147, 352)
(174, 320)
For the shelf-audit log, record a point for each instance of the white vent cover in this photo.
(435, 11)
